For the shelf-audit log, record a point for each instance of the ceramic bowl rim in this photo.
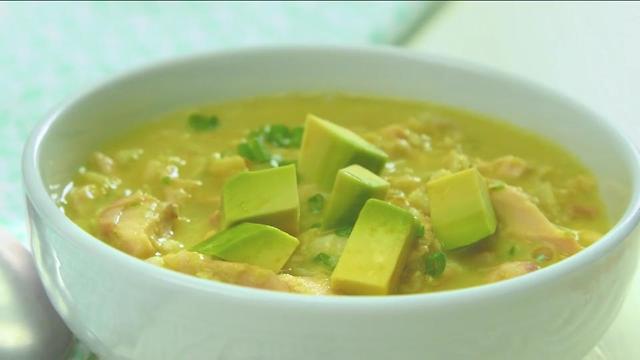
(39, 197)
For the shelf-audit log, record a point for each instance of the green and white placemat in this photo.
(49, 51)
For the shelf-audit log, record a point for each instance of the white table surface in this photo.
(589, 51)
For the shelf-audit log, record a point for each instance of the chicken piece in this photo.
(226, 167)
(398, 140)
(419, 200)
(510, 270)
(456, 160)
(398, 197)
(103, 163)
(103, 181)
(581, 184)
(132, 224)
(306, 285)
(405, 182)
(519, 216)
(582, 211)
(83, 199)
(193, 263)
(128, 156)
(178, 190)
(588, 237)
(505, 168)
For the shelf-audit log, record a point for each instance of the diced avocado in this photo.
(254, 244)
(376, 250)
(461, 210)
(327, 148)
(265, 196)
(353, 187)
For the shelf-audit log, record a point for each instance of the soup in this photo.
(337, 194)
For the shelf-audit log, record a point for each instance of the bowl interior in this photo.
(139, 96)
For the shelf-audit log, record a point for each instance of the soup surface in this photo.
(488, 201)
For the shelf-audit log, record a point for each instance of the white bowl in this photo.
(124, 308)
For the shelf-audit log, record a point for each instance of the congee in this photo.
(337, 194)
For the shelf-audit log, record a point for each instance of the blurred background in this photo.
(50, 51)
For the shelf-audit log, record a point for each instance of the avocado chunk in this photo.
(376, 250)
(461, 209)
(327, 148)
(265, 197)
(353, 187)
(255, 244)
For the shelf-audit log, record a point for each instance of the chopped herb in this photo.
(435, 263)
(512, 250)
(244, 150)
(287, 162)
(166, 180)
(275, 161)
(199, 122)
(420, 231)
(278, 135)
(261, 153)
(254, 150)
(316, 203)
(344, 231)
(326, 260)
(296, 136)
(541, 258)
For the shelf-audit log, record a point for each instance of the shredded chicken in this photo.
(132, 224)
(518, 215)
(226, 167)
(306, 285)
(193, 263)
(103, 163)
(511, 269)
(82, 199)
(229, 272)
(505, 168)
(398, 140)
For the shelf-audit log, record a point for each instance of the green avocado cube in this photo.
(376, 250)
(327, 148)
(353, 187)
(461, 210)
(265, 197)
(249, 243)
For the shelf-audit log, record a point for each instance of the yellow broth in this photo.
(169, 161)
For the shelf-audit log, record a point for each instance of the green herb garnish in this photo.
(166, 180)
(512, 250)
(254, 150)
(279, 135)
(296, 137)
(287, 162)
(326, 260)
(541, 258)
(344, 231)
(199, 122)
(420, 231)
(316, 203)
(435, 263)
(254, 147)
